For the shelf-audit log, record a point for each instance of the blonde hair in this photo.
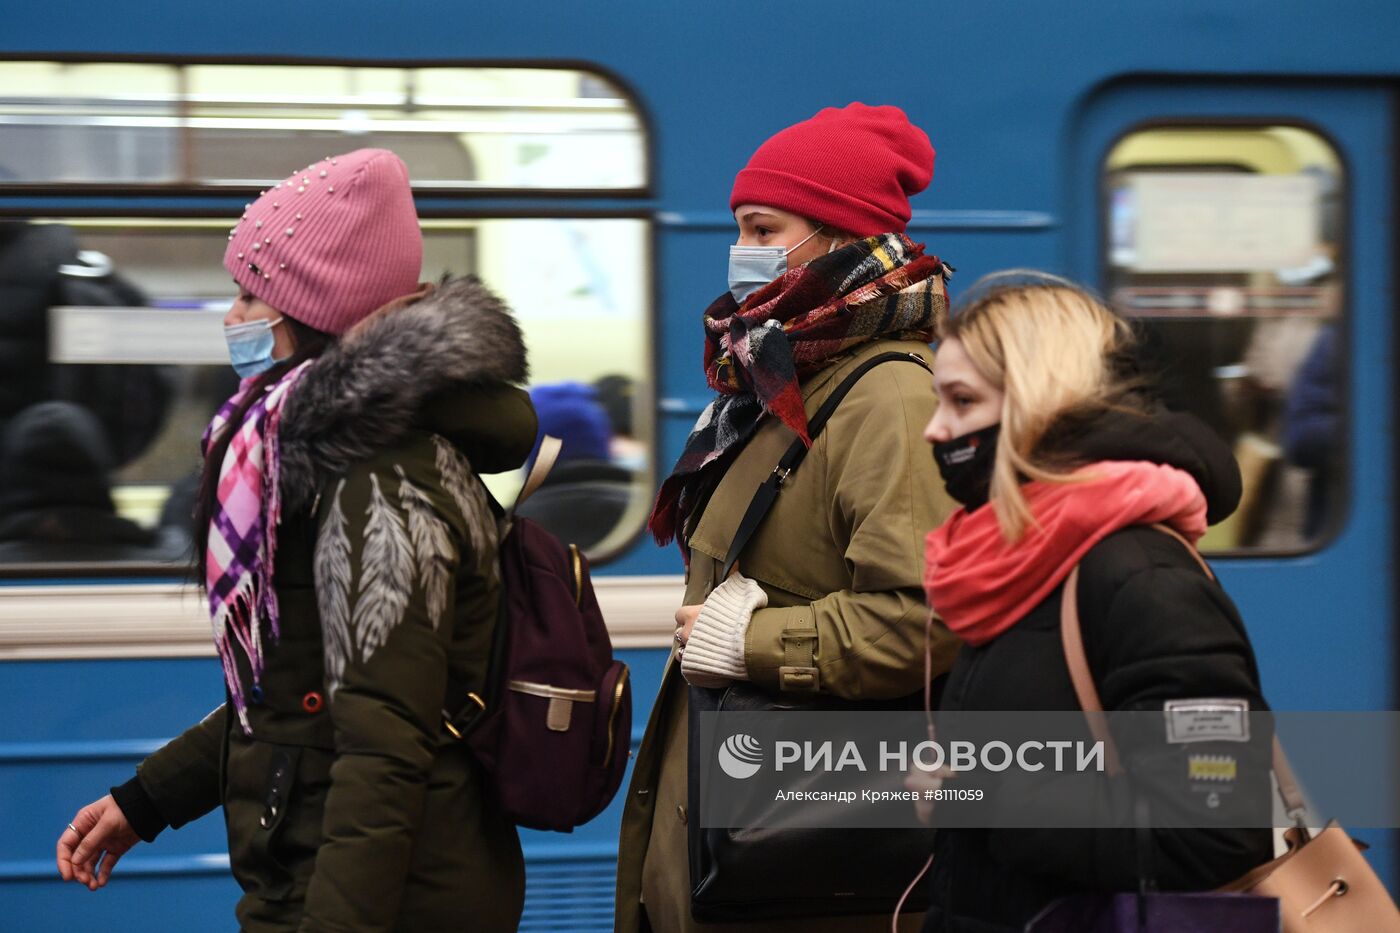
(1051, 347)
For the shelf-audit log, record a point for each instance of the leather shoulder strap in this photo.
(1190, 548)
(1072, 638)
(1288, 789)
(767, 492)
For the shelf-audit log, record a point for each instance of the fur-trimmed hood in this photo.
(446, 363)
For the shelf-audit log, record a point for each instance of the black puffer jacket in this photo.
(55, 495)
(1155, 628)
(28, 285)
(130, 401)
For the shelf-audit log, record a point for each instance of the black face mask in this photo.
(965, 463)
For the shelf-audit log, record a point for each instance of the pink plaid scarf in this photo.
(242, 539)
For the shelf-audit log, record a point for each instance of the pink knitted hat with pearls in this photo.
(331, 243)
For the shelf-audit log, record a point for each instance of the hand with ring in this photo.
(685, 621)
(97, 837)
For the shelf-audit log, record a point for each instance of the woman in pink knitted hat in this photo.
(825, 604)
(348, 554)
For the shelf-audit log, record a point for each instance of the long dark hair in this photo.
(309, 343)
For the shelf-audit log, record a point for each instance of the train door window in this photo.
(110, 326)
(1225, 243)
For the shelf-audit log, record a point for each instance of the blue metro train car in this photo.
(1223, 172)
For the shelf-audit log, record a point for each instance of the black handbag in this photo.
(761, 873)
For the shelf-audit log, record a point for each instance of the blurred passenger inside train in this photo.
(1060, 458)
(618, 396)
(826, 599)
(348, 555)
(56, 495)
(41, 267)
(1312, 428)
(585, 494)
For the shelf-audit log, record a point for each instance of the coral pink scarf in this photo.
(981, 586)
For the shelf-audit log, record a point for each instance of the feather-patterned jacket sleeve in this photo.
(396, 536)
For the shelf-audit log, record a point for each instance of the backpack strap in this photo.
(1072, 638)
(544, 462)
(766, 493)
(463, 707)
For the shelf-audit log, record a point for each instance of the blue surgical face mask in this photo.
(752, 267)
(250, 347)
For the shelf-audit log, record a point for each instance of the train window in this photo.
(1226, 243)
(110, 328)
(242, 125)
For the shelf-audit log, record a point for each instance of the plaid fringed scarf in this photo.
(756, 356)
(242, 540)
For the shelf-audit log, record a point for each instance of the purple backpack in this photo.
(553, 729)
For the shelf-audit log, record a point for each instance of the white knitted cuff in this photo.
(714, 655)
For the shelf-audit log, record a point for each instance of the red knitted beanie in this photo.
(331, 243)
(854, 168)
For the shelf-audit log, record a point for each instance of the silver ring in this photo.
(72, 827)
(680, 642)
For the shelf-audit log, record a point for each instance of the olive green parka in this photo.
(840, 557)
(348, 807)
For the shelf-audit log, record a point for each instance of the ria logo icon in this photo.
(740, 756)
